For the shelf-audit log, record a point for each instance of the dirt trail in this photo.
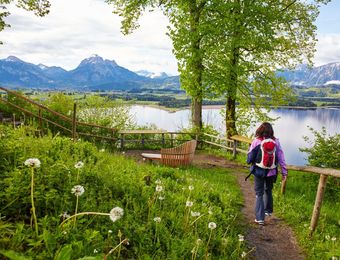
(274, 240)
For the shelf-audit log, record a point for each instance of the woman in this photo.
(264, 167)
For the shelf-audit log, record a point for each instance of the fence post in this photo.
(172, 140)
(121, 141)
(318, 202)
(234, 149)
(163, 140)
(74, 122)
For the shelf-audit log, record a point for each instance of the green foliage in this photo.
(110, 180)
(324, 150)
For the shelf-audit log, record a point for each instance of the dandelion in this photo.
(327, 237)
(333, 239)
(157, 219)
(210, 212)
(32, 162)
(79, 165)
(240, 238)
(102, 150)
(195, 214)
(189, 203)
(158, 181)
(64, 233)
(109, 231)
(159, 188)
(212, 225)
(161, 197)
(116, 213)
(243, 255)
(191, 187)
(78, 190)
(95, 251)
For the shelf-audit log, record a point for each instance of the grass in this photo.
(159, 221)
(297, 206)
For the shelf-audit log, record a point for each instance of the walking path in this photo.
(274, 240)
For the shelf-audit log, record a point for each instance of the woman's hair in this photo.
(265, 130)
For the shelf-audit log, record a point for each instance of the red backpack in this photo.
(266, 157)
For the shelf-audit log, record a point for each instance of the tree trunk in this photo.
(196, 113)
(230, 116)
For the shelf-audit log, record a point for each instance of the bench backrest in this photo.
(179, 156)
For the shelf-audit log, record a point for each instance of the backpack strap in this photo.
(247, 177)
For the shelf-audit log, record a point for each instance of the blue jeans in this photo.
(264, 196)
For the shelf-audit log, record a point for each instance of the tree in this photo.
(250, 41)
(187, 18)
(39, 7)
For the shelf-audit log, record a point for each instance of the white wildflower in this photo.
(161, 197)
(79, 165)
(240, 238)
(110, 231)
(210, 212)
(212, 225)
(157, 219)
(159, 188)
(195, 214)
(102, 150)
(158, 182)
(64, 233)
(64, 215)
(189, 203)
(198, 241)
(116, 213)
(327, 237)
(78, 190)
(95, 251)
(123, 152)
(243, 255)
(191, 187)
(333, 238)
(32, 162)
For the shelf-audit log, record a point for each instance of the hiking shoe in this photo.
(260, 222)
(268, 214)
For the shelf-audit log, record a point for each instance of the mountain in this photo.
(317, 76)
(153, 75)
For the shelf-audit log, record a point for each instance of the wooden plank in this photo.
(152, 156)
(241, 139)
(219, 145)
(325, 171)
(142, 132)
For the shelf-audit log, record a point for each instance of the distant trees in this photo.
(233, 48)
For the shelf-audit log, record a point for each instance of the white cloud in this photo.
(327, 49)
(76, 29)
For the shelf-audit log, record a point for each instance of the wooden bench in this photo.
(177, 156)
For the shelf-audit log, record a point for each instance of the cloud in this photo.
(74, 30)
(328, 49)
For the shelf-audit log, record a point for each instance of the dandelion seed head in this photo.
(64, 233)
(32, 162)
(161, 197)
(212, 225)
(240, 238)
(79, 165)
(78, 190)
(95, 251)
(243, 255)
(327, 237)
(159, 188)
(191, 187)
(158, 182)
(333, 238)
(109, 231)
(195, 214)
(64, 215)
(335, 258)
(116, 213)
(157, 219)
(189, 203)
(198, 241)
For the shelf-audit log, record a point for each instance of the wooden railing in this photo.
(323, 172)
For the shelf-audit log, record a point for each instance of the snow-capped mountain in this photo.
(153, 75)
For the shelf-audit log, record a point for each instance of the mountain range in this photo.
(93, 73)
(96, 73)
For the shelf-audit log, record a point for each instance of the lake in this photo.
(290, 128)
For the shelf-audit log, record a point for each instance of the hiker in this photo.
(265, 154)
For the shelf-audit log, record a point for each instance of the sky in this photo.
(77, 29)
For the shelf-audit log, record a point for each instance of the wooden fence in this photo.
(323, 172)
